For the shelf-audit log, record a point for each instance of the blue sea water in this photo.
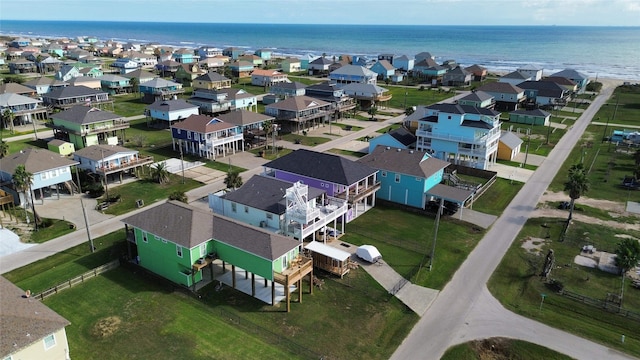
(612, 52)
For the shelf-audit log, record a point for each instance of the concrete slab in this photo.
(511, 172)
(532, 159)
(244, 285)
(477, 218)
(633, 207)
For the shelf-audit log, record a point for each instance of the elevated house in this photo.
(403, 63)
(249, 123)
(299, 112)
(67, 72)
(183, 244)
(125, 65)
(284, 90)
(268, 78)
(206, 137)
(85, 126)
(159, 89)
(319, 66)
(239, 98)
(49, 171)
(570, 86)
(514, 78)
(30, 329)
(186, 73)
(406, 176)
(141, 75)
(255, 60)
(185, 56)
(166, 111)
(339, 177)
(457, 77)
(233, 52)
(399, 138)
(535, 72)
(25, 109)
(211, 81)
(264, 54)
(290, 209)
(430, 70)
(545, 94)
(333, 94)
(349, 74)
(241, 68)
(168, 68)
(43, 85)
(212, 64)
(460, 134)
(384, 69)
(115, 84)
(479, 99)
(479, 72)
(290, 65)
(507, 97)
(15, 88)
(22, 66)
(111, 160)
(70, 96)
(210, 101)
(86, 81)
(367, 95)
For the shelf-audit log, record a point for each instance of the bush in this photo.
(594, 86)
(555, 285)
(46, 222)
(95, 190)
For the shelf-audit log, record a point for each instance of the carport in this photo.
(451, 193)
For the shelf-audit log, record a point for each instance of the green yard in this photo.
(518, 286)
(499, 349)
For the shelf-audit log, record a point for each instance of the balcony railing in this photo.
(480, 140)
(223, 140)
(298, 268)
(351, 196)
(146, 160)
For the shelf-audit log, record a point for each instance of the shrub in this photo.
(95, 190)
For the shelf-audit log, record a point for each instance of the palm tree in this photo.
(22, 180)
(159, 173)
(577, 184)
(627, 257)
(4, 148)
(373, 111)
(233, 179)
(267, 126)
(135, 84)
(7, 118)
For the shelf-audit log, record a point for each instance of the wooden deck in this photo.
(299, 268)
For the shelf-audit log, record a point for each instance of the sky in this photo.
(391, 12)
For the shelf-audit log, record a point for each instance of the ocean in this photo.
(608, 52)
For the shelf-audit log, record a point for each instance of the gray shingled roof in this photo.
(171, 105)
(15, 88)
(211, 77)
(500, 87)
(72, 92)
(533, 112)
(354, 70)
(99, 152)
(24, 321)
(35, 161)
(570, 74)
(463, 109)
(266, 193)
(516, 75)
(403, 136)
(477, 96)
(289, 85)
(510, 139)
(9, 99)
(322, 166)
(544, 88)
(298, 103)
(409, 162)
(83, 115)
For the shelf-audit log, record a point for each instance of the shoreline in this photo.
(298, 53)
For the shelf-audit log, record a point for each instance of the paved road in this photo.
(464, 310)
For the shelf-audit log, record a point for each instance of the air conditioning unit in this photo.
(263, 224)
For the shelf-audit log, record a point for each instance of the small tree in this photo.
(267, 126)
(4, 148)
(373, 111)
(7, 119)
(577, 184)
(233, 179)
(22, 180)
(627, 257)
(178, 196)
(159, 173)
(135, 85)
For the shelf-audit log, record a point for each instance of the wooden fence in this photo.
(78, 279)
(609, 306)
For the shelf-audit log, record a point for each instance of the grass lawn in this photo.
(497, 197)
(606, 167)
(146, 190)
(56, 229)
(501, 348)
(627, 98)
(141, 137)
(405, 240)
(305, 80)
(269, 152)
(15, 146)
(121, 315)
(305, 140)
(128, 105)
(414, 96)
(517, 164)
(538, 137)
(518, 287)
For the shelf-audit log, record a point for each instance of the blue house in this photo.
(265, 54)
(399, 138)
(577, 77)
(404, 63)
(405, 175)
(384, 69)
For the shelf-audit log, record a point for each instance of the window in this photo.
(397, 178)
(383, 173)
(144, 237)
(179, 250)
(49, 342)
(178, 130)
(269, 216)
(44, 175)
(233, 207)
(64, 170)
(418, 179)
(246, 209)
(203, 249)
(188, 134)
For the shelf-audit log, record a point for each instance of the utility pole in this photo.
(435, 236)
(106, 180)
(181, 161)
(86, 224)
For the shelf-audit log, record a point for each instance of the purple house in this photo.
(339, 177)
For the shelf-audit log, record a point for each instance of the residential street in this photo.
(464, 310)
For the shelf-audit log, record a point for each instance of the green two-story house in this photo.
(183, 244)
(85, 126)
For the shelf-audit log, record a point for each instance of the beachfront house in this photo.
(49, 171)
(508, 97)
(479, 72)
(159, 89)
(533, 71)
(111, 160)
(233, 52)
(166, 111)
(208, 52)
(319, 66)
(403, 63)
(290, 209)
(183, 244)
(298, 113)
(457, 77)
(85, 126)
(70, 96)
(264, 54)
(514, 78)
(267, 78)
(340, 177)
(399, 138)
(30, 329)
(384, 69)
(290, 64)
(460, 134)
(406, 176)
(206, 136)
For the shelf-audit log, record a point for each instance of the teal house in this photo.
(406, 176)
(399, 138)
(186, 245)
(530, 117)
